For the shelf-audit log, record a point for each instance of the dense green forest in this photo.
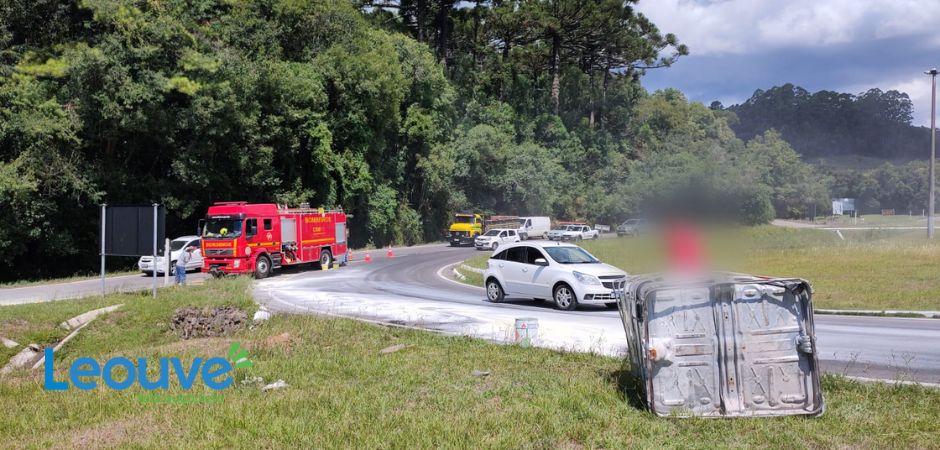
(839, 130)
(401, 112)
(873, 124)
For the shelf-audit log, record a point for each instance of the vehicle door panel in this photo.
(536, 277)
(511, 269)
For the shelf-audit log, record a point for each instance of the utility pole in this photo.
(933, 148)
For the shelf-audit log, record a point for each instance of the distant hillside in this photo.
(828, 124)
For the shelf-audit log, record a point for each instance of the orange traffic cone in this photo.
(390, 254)
(349, 255)
(367, 259)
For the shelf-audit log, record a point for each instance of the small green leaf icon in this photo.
(238, 356)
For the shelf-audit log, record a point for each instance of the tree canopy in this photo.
(401, 112)
(874, 123)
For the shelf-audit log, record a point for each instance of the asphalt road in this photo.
(409, 289)
(85, 288)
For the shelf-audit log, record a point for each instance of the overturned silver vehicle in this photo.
(724, 345)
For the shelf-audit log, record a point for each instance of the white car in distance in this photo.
(177, 247)
(579, 232)
(555, 235)
(492, 239)
(565, 273)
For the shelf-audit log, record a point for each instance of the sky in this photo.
(739, 46)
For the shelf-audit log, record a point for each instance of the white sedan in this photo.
(566, 273)
(177, 246)
(494, 238)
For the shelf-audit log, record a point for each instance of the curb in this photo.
(865, 380)
(880, 313)
(471, 269)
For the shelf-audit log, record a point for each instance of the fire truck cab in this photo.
(238, 237)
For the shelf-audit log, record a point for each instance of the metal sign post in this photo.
(166, 262)
(154, 250)
(104, 206)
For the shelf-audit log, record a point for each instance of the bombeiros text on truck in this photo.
(240, 237)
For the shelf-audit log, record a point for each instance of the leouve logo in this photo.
(84, 373)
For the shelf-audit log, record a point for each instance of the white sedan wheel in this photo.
(564, 298)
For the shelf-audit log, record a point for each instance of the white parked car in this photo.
(177, 246)
(555, 235)
(565, 273)
(492, 239)
(579, 232)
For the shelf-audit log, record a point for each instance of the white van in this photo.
(534, 227)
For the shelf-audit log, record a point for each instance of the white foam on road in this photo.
(557, 330)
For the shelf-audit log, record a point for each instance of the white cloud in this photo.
(745, 26)
(918, 89)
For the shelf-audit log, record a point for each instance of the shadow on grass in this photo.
(628, 386)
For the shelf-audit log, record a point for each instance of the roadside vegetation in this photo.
(344, 393)
(77, 277)
(400, 114)
(866, 269)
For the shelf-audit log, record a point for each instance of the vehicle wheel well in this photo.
(492, 278)
(555, 286)
(263, 255)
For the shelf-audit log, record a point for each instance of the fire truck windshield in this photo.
(222, 228)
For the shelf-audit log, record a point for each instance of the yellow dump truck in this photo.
(466, 227)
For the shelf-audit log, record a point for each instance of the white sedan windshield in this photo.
(570, 255)
(492, 233)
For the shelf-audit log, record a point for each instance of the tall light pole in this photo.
(933, 147)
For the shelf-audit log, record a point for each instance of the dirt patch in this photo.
(192, 322)
(114, 317)
(111, 434)
(283, 341)
(200, 346)
(13, 326)
(569, 444)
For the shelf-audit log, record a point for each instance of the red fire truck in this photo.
(238, 237)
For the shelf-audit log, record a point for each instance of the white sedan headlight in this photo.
(584, 278)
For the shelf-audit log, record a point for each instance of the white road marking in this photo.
(440, 273)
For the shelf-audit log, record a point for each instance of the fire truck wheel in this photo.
(326, 258)
(262, 267)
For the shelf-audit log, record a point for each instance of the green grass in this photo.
(344, 394)
(38, 323)
(877, 220)
(478, 262)
(868, 269)
(69, 279)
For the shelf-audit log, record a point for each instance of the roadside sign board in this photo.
(842, 206)
(130, 230)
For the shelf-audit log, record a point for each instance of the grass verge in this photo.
(471, 277)
(863, 269)
(26, 283)
(344, 393)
